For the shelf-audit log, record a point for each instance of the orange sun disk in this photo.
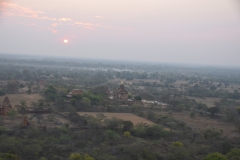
(65, 41)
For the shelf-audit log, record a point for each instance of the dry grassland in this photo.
(179, 82)
(202, 123)
(124, 116)
(208, 101)
(34, 121)
(231, 90)
(16, 98)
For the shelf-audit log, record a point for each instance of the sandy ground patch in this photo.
(124, 116)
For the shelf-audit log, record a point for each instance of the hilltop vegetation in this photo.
(194, 111)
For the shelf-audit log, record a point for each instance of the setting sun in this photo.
(65, 41)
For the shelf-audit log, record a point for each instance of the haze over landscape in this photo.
(172, 31)
(120, 80)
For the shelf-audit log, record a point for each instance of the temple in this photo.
(74, 93)
(121, 93)
(5, 106)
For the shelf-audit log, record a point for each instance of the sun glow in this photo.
(65, 41)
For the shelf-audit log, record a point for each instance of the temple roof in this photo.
(76, 92)
(122, 89)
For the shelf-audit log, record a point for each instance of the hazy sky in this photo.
(182, 31)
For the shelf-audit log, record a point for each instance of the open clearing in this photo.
(16, 98)
(124, 116)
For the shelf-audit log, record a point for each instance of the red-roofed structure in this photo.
(74, 92)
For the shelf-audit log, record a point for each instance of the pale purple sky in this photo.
(182, 31)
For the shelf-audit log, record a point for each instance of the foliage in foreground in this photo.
(234, 154)
(77, 156)
(215, 156)
(8, 156)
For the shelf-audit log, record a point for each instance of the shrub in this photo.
(2, 129)
(210, 133)
(215, 156)
(153, 131)
(177, 144)
(234, 154)
(192, 114)
(140, 130)
(77, 156)
(8, 156)
(127, 125)
(178, 152)
(138, 98)
(113, 124)
(127, 134)
(238, 109)
(111, 134)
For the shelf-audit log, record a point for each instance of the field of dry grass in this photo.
(208, 101)
(16, 98)
(124, 116)
(201, 123)
(179, 82)
(8, 123)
